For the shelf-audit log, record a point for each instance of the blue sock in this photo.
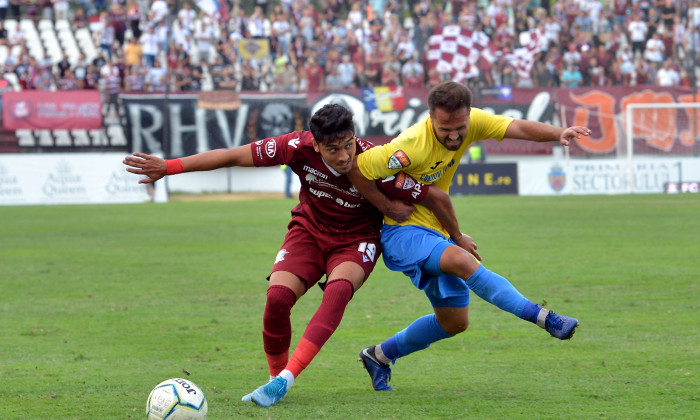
(495, 289)
(418, 336)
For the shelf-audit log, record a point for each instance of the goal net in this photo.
(658, 130)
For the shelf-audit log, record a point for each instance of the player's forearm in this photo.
(368, 189)
(218, 158)
(441, 205)
(533, 131)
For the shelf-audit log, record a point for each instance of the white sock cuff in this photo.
(289, 377)
(379, 354)
(541, 317)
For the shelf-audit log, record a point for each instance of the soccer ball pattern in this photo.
(176, 399)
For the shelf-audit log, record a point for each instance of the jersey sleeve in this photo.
(403, 187)
(486, 126)
(275, 151)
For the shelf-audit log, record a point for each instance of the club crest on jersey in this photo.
(399, 160)
(404, 182)
(271, 148)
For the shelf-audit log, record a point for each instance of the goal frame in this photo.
(629, 127)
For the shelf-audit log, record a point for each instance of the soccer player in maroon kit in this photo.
(334, 230)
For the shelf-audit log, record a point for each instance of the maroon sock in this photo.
(277, 328)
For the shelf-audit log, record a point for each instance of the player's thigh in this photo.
(458, 262)
(353, 260)
(300, 256)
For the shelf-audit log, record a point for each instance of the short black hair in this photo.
(330, 122)
(449, 96)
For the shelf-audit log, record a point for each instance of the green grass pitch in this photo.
(101, 303)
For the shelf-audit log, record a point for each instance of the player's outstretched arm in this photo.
(440, 204)
(541, 132)
(155, 168)
(394, 209)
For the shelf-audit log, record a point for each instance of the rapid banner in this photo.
(191, 129)
(42, 110)
(485, 178)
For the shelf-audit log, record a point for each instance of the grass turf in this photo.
(101, 303)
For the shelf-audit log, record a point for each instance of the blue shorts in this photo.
(416, 251)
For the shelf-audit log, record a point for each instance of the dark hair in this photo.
(449, 96)
(330, 122)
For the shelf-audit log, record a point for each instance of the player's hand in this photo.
(467, 243)
(399, 211)
(142, 164)
(571, 133)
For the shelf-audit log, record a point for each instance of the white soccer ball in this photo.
(176, 399)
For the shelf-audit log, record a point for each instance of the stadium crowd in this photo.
(159, 45)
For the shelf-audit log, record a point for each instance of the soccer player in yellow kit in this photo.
(446, 268)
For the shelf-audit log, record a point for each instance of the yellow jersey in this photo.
(417, 152)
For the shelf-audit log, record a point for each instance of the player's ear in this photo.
(317, 148)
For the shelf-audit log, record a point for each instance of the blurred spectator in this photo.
(637, 30)
(105, 35)
(3, 9)
(134, 16)
(15, 9)
(346, 71)
(186, 17)
(133, 52)
(68, 81)
(61, 9)
(668, 75)
(135, 78)
(149, 46)
(80, 20)
(654, 51)
(571, 77)
(314, 75)
(158, 12)
(4, 40)
(205, 41)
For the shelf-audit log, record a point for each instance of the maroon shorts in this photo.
(309, 254)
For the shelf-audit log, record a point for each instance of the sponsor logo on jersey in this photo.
(271, 148)
(404, 182)
(435, 176)
(314, 172)
(294, 142)
(280, 255)
(399, 160)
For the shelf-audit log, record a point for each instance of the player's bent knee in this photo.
(455, 327)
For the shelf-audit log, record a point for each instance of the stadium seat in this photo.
(25, 138)
(97, 139)
(44, 137)
(12, 78)
(62, 25)
(45, 24)
(116, 135)
(62, 138)
(11, 26)
(80, 138)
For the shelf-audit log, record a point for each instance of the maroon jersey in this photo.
(328, 200)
